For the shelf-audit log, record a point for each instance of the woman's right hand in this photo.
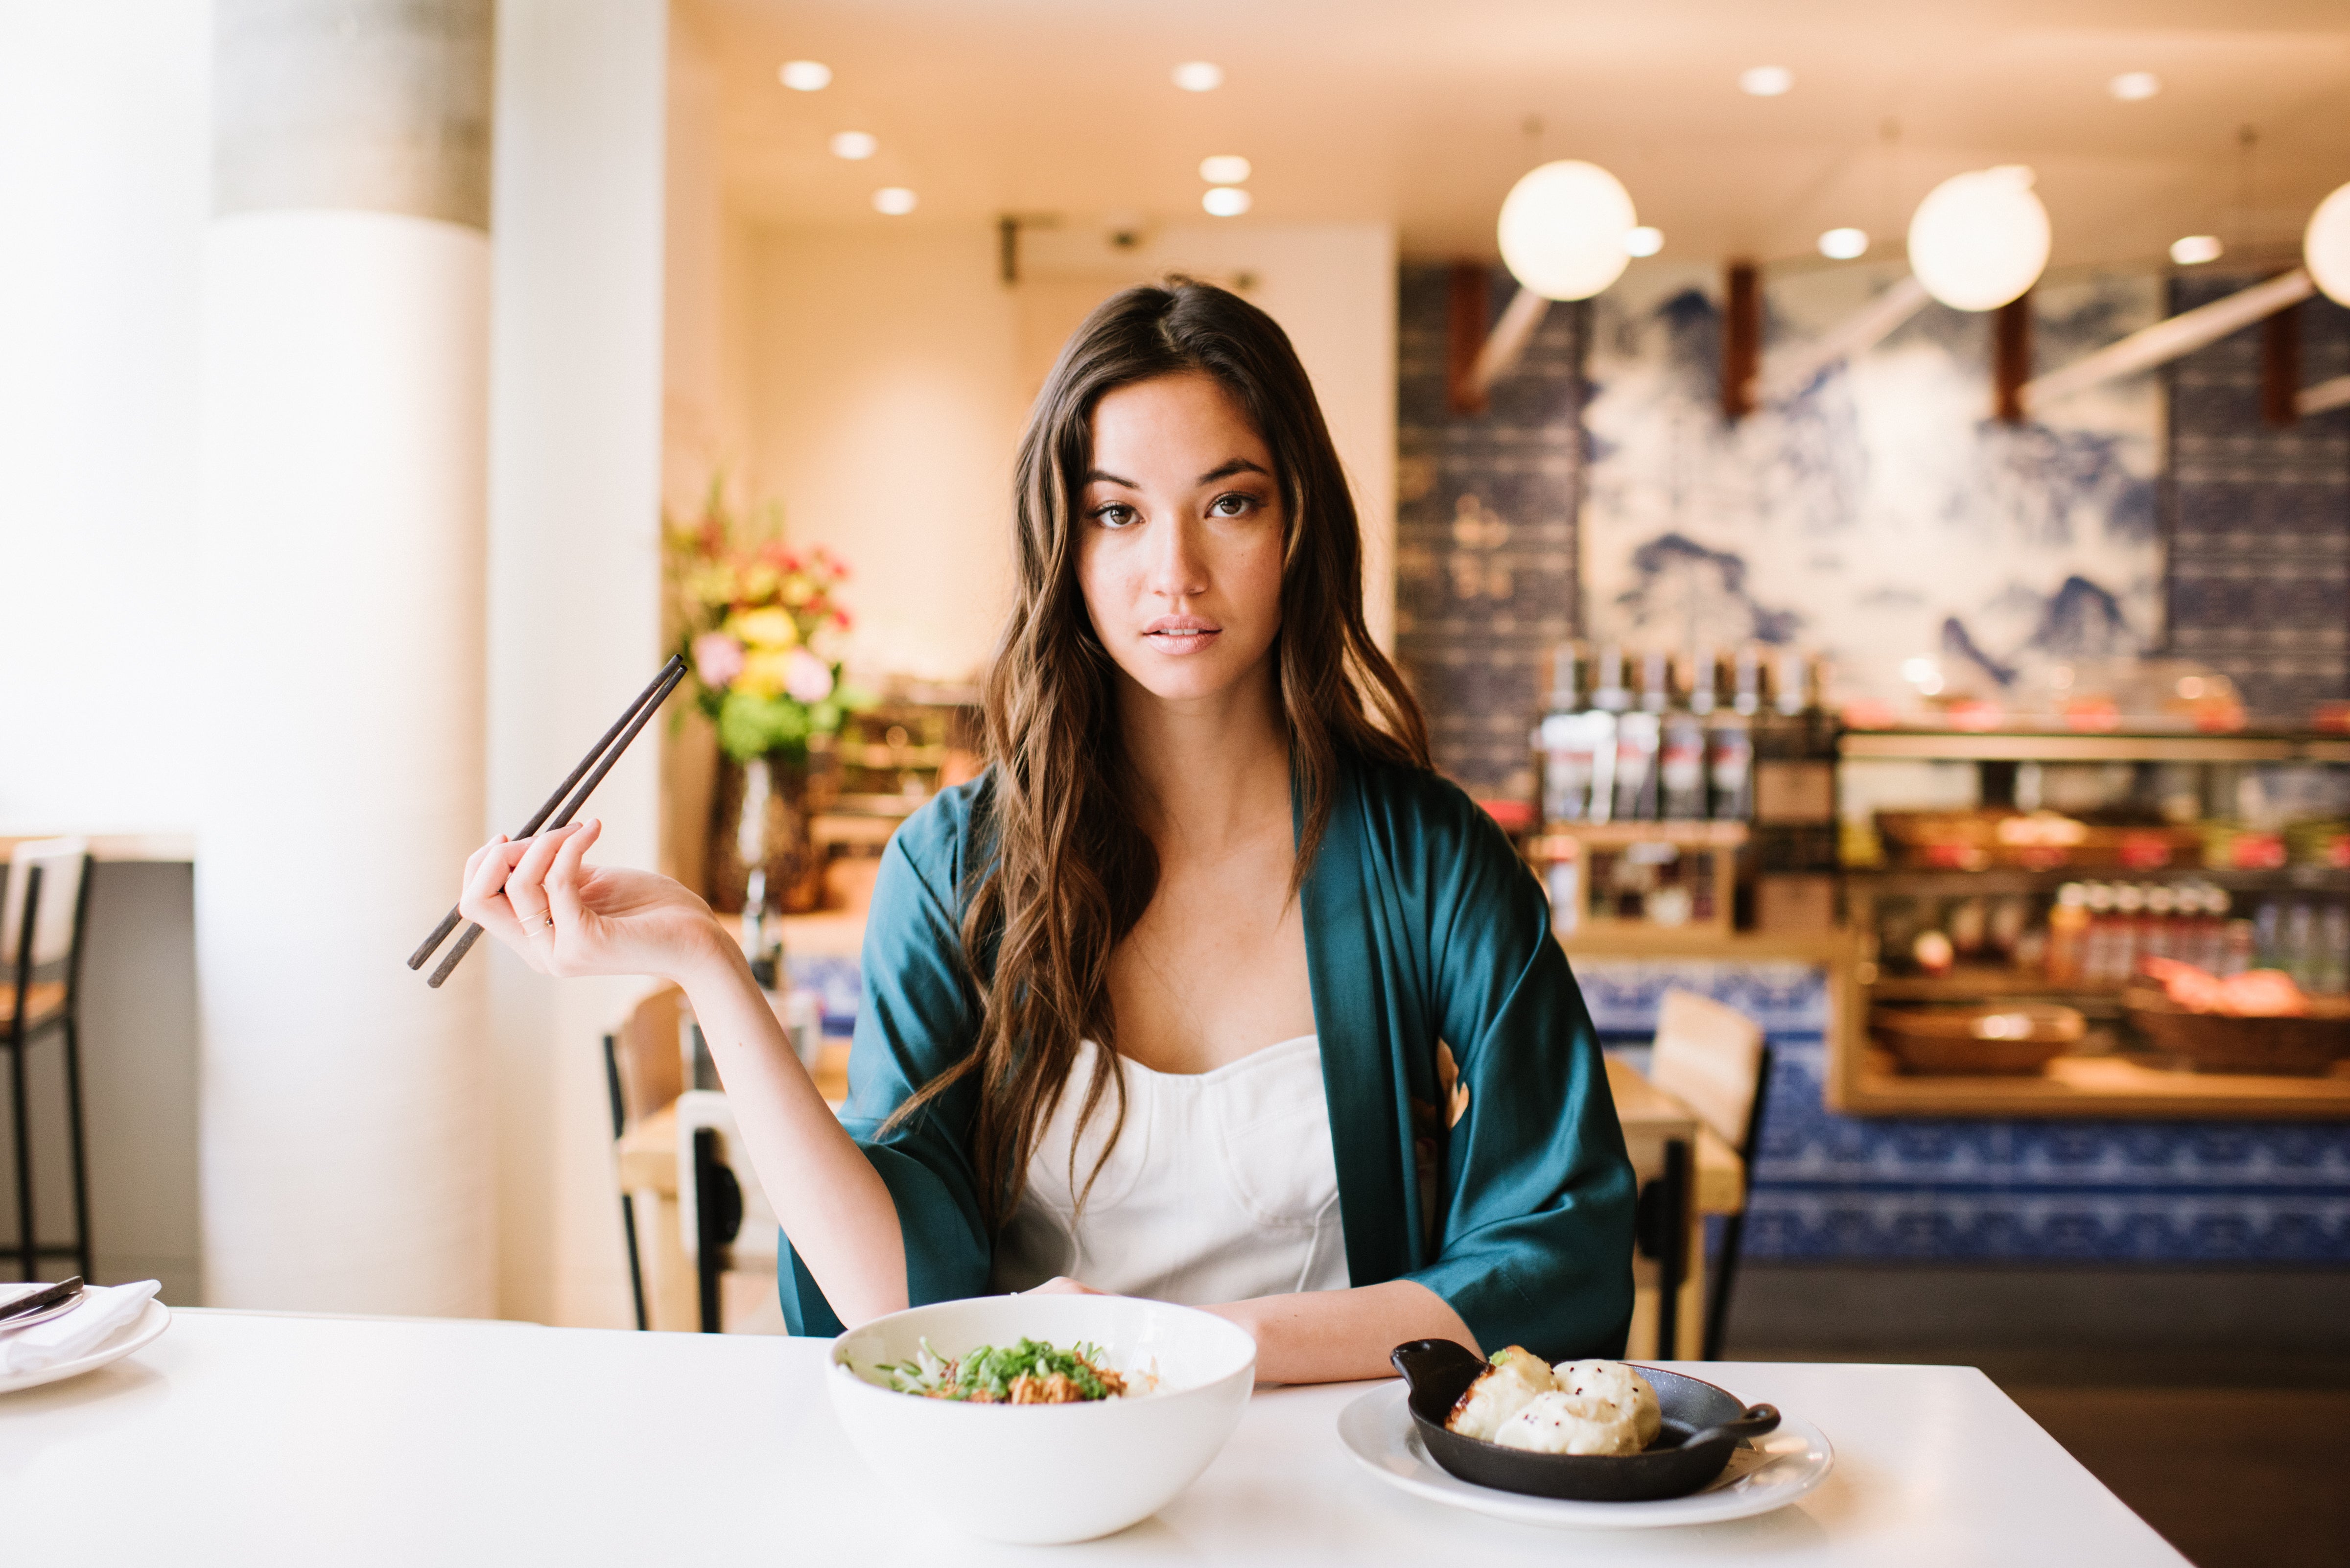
(566, 917)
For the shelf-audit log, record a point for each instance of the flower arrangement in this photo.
(759, 623)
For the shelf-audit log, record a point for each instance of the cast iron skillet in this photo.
(1701, 1425)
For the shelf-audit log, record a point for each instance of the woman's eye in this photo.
(1115, 514)
(1232, 506)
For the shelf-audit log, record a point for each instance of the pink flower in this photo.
(808, 678)
(717, 658)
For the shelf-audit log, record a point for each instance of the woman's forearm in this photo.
(831, 1202)
(1340, 1336)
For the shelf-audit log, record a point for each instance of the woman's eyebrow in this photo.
(1237, 465)
(1100, 476)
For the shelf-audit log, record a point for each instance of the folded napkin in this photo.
(101, 1311)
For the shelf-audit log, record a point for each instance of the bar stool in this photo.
(43, 914)
(1716, 1061)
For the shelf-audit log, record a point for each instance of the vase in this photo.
(759, 823)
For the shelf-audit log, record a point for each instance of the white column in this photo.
(574, 575)
(346, 1157)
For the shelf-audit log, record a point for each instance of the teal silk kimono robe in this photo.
(1505, 1189)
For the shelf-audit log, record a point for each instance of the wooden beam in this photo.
(2280, 366)
(1464, 334)
(2011, 341)
(1507, 343)
(2318, 400)
(1742, 339)
(1789, 372)
(2167, 339)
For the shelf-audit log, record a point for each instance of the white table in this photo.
(252, 1439)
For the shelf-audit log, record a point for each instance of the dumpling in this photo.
(1501, 1391)
(1561, 1423)
(1621, 1386)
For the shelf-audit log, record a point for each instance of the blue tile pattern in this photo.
(1845, 1188)
(2259, 518)
(1485, 530)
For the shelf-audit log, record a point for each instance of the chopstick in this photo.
(41, 1300)
(599, 759)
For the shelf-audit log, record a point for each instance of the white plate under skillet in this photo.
(135, 1334)
(1784, 1464)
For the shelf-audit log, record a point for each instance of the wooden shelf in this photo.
(1898, 882)
(2065, 746)
(1696, 943)
(2087, 1087)
(1986, 984)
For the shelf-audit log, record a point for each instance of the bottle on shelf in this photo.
(2098, 944)
(2129, 932)
(1610, 697)
(1729, 739)
(2160, 925)
(1567, 740)
(2068, 926)
(1680, 757)
(1639, 734)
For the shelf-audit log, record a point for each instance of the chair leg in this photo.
(28, 1249)
(636, 1263)
(81, 1149)
(1717, 1306)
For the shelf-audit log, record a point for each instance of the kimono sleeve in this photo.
(917, 1015)
(1535, 1222)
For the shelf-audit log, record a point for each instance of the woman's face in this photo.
(1181, 537)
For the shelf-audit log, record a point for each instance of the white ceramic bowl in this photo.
(1040, 1474)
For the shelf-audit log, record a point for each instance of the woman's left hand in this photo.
(1062, 1285)
(566, 917)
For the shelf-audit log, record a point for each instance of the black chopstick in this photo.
(41, 1300)
(600, 759)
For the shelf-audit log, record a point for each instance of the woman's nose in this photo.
(1177, 569)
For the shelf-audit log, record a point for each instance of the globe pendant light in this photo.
(2326, 246)
(1980, 240)
(1562, 229)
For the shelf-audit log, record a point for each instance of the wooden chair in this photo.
(1715, 1060)
(43, 914)
(643, 1072)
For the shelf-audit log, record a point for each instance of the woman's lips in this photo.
(1181, 634)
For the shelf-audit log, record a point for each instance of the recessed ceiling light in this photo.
(1224, 169)
(805, 76)
(1199, 76)
(855, 145)
(1766, 81)
(1843, 244)
(1225, 200)
(895, 200)
(2195, 249)
(2131, 85)
(1644, 241)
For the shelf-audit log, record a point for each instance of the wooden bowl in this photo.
(2012, 1040)
(2306, 1046)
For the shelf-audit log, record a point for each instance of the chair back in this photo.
(647, 1071)
(64, 863)
(1711, 1058)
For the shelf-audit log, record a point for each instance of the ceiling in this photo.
(1423, 114)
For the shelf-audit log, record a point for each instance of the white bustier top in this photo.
(1223, 1186)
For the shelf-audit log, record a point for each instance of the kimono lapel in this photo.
(1343, 961)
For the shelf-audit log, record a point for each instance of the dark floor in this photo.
(2215, 1404)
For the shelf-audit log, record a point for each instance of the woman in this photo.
(1208, 988)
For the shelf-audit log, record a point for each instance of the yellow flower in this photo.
(768, 627)
(760, 580)
(713, 585)
(797, 590)
(764, 671)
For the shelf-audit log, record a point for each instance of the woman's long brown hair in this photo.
(1071, 869)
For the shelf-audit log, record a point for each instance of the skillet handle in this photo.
(1423, 1362)
(1757, 1421)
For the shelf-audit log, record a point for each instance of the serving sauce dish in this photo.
(1701, 1425)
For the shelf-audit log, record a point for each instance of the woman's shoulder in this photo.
(950, 833)
(1421, 810)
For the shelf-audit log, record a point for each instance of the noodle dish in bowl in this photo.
(1123, 1402)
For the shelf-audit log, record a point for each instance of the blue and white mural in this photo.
(1879, 513)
